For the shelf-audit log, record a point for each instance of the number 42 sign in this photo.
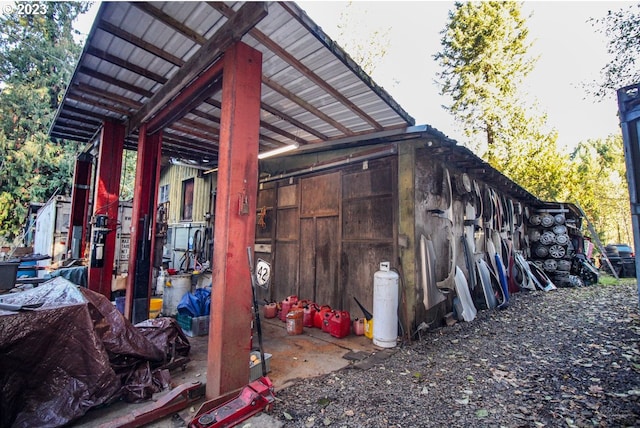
(263, 273)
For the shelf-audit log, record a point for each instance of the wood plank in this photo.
(307, 259)
(370, 182)
(288, 195)
(287, 226)
(326, 263)
(171, 22)
(320, 195)
(286, 270)
(370, 218)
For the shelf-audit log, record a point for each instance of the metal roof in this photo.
(139, 52)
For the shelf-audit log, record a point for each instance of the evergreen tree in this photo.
(37, 56)
(483, 63)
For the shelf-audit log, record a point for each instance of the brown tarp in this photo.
(76, 352)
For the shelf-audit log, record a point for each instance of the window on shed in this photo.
(187, 200)
(163, 195)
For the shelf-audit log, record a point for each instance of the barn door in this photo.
(320, 238)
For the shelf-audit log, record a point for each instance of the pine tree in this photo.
(37, 56)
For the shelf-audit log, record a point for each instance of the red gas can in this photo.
(286, 307)
(340, 324)
(309, 314)
(319, 316)
(326, 320)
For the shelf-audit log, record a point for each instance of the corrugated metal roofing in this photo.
(312, 92)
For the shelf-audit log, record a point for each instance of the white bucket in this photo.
(175, 287)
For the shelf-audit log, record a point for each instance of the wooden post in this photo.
(231, 299)
(79, 206)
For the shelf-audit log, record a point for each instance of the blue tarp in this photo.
(197, 304)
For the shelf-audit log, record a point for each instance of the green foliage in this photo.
(37, 56)
(599, 185)
(482, 62)
(622, 28)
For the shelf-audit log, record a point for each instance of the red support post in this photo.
(143, 224)
(231, 298)
(105, 203)
(76, 239)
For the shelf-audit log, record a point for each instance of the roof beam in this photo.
(113, 81)
(105, 56)
(119, 99)
(303, 69)
(171, 22)
(305, 105)
(140, 43)
(210, 52)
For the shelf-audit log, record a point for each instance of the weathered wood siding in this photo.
(332, 230)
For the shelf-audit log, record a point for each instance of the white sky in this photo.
(571, 53)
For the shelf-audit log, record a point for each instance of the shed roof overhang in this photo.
(141, 57)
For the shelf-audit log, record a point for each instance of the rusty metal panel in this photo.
(320, 195)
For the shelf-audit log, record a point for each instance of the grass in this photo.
(606, 279)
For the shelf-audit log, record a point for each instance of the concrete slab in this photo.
(313, 353)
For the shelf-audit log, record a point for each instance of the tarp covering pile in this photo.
(76, 352)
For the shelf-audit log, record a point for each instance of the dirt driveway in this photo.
(569, 357)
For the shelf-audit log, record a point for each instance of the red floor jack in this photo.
(257, 396)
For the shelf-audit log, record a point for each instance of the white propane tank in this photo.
(385, 307)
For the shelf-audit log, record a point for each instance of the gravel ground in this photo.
(569, 357)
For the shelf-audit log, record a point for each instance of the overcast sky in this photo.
(571, 53)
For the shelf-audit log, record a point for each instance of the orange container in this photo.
(294, 322)
(286, 307)
(270, 310)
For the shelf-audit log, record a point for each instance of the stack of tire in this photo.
(551, 247)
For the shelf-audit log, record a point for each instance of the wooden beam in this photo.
(126, 64)
(101, 93)
(115, 82)
(306, 105)
(140, 43)
(97, 103)
(303, 69)
(83, 112)
(171, 22)
(232, 30)
(294, 122)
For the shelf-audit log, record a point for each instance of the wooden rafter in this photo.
(303, 69)
(246, 18)
(127, 65)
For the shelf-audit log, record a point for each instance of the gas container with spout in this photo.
(309, 314)
(385, 307)
(286, 307)
(319, 316)
(340, 324)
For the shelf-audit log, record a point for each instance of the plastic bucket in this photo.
(175, 288)
(155, 306)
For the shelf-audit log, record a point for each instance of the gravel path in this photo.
(569, 357)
